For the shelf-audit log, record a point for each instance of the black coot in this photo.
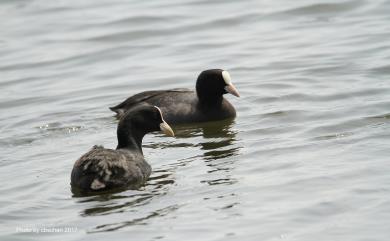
(186, 106)
(102, 169)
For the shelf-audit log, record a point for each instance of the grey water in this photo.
(307, 157)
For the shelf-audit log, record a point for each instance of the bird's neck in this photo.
(130, 139)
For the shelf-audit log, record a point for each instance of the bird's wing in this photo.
(142, 97)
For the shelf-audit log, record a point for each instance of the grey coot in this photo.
(103, 169)
(187, 106)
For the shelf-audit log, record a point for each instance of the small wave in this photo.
(381, 70)
(326, 8)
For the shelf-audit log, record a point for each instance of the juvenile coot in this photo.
(102, 169)
(186, 106)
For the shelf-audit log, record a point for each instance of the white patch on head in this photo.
(226, 77)
(96, 185)
(159, 110)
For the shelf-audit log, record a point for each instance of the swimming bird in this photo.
(206, 103)
(102, 169)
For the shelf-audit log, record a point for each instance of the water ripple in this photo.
(309, 146)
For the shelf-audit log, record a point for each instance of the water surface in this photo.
(307, 158)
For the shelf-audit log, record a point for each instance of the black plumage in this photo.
(102, 169)
(187, 106)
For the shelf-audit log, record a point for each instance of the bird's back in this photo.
(178, 105)
(102, 168)
(149, 97)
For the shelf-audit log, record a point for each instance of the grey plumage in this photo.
(103, 169)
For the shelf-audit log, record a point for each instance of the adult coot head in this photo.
(212, 84)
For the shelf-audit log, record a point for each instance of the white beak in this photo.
(232, 90)
(166, 129)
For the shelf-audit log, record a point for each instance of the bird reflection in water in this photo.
(218, 140)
